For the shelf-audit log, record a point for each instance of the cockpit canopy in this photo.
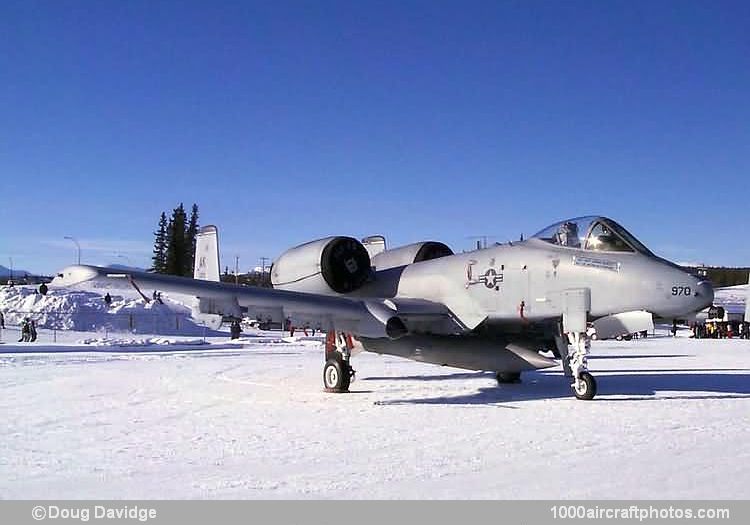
(593, 233)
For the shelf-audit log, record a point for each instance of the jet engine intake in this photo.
(334, 265)
(409, 254)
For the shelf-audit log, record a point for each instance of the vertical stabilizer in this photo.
(374, 244)
(207, 254)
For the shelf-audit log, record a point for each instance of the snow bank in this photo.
(148, 341)
(84, 310)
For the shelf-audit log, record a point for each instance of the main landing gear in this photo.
(504, 378)
(575, 364)
(337, 372)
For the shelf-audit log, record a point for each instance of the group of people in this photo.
(721, 330)
(28, 331)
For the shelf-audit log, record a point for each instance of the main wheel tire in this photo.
(508, 377)
(585, 388)
(336, 376)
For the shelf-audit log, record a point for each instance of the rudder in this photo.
(207, 254)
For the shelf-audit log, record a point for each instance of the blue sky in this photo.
(288, 121)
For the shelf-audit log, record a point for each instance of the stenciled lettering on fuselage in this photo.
(593, 262)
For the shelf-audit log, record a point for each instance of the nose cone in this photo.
(704, 295)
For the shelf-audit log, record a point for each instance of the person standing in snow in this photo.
(108, 299)
(32, 331)
(235, 330)
(290, 326)
(25, 331)
(43, 289)
(2, 321)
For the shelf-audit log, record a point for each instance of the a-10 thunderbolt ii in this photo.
(492, 309)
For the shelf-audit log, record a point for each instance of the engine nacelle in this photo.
(411, 253)
(334, 265)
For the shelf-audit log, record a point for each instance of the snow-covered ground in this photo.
(250, 420)
(116, 414)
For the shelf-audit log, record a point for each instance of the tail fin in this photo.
(374, 244)
(207, 254)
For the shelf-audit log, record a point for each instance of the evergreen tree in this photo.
(169, 255)
(159, 258)
(174, 242)
(192, 231)
(177, 246)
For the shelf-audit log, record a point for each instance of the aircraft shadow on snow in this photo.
(634, 385)
(637, 356)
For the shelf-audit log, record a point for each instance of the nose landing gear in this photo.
(584, 384)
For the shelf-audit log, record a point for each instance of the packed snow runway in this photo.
(250, 420)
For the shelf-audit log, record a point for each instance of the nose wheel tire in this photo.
(585, 386)
(337, 375)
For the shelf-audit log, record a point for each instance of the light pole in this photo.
(78, 246)
(10, 278)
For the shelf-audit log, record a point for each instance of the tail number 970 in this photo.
(681, 290)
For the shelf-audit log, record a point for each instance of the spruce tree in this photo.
(192, 231)
(169, 258)
(177, 245)
(159, 259)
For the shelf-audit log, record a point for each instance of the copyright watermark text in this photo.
(636, 512)
(94, 512)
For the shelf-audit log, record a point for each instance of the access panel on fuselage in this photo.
(499, 282)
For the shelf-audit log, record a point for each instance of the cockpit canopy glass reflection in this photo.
(598, 234)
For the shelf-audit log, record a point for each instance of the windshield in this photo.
(592, 233)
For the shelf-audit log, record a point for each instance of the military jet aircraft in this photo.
(492, 309)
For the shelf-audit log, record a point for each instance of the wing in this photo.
(366, 317)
